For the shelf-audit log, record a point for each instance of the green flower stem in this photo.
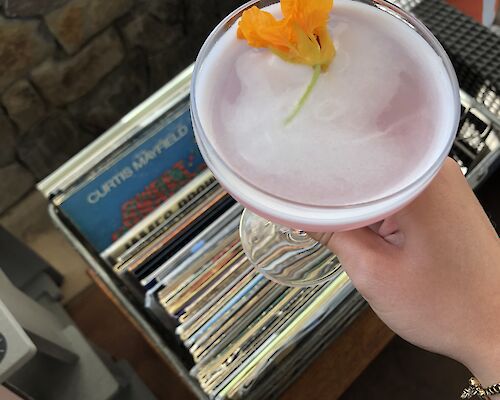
(305, 96)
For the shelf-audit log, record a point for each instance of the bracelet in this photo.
(475, 389)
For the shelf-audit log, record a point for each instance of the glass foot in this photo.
(286, 256)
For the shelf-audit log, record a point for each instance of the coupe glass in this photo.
(281, 250)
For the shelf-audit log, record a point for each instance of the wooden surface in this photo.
(343, 361)
(102, 320)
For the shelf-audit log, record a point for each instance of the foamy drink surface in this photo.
(374, 122)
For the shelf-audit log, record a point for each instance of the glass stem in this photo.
(295, 235)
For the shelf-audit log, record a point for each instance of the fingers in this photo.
(388, 227)
(396, 239)
(364, 255)
(354, 242)
(353, 245)
(322, 238)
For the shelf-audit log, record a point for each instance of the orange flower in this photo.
(300, 37)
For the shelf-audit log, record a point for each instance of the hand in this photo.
(432, 273)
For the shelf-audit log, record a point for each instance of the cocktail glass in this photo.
(282, 250)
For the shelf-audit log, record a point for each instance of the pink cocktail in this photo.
(373, 133)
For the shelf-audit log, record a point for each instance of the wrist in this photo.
(486, 367)
(481, 350)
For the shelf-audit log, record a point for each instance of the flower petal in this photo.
(261, 29)
(309, 14)
(300, 37)
(308, 48)
(327, 48)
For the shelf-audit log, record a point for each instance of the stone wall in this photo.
(69, 69)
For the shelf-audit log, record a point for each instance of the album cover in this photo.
(161, 219)
(196, 244)
(171, 241)
(120, 194)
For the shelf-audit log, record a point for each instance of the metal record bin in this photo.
(64, 181)
(179, 270)
(176, 265)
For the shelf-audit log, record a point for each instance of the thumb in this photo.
(362, 252)
(352, 243)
